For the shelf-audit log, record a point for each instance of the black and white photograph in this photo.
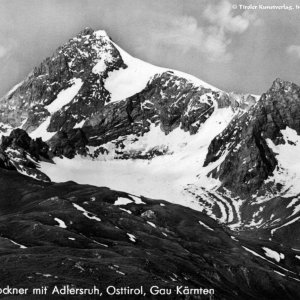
(150, 149)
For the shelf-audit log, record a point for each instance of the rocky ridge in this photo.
(21, 153)
(250, 160)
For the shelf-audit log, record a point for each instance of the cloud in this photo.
(221, 16)
(212, 37)
(182, 32)
(294, 50)
(6, 48)
(3, 51)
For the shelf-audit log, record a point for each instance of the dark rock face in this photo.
(176, 102)
(167, 100)
(69, 143)
(19, 152)
(70, 234)
(249, 160)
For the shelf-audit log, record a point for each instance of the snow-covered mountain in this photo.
(110, 119)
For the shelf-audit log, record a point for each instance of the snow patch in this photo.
(65, 96)
(273, 254)
(86, 213)
(122, 201)
(79, 125)
(136, 199)
(288, 170)
(126, 210)
(151, 224)
(15, 243)
(131, 237)
(61, 223)
(206, 226)
(256, 254)
(42, 132)
(281, 274)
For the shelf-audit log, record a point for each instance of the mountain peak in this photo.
(86, 31)
(89, 32)
(101, 33)
(279, 84)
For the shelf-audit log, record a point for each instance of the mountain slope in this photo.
(81, 235)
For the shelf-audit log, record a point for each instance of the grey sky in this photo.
(233, 49)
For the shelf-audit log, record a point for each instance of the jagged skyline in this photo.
(242, 50)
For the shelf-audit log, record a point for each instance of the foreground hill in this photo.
(81, 235)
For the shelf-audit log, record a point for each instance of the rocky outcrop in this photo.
(248, 159)
(19, 152)
(69, 143)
